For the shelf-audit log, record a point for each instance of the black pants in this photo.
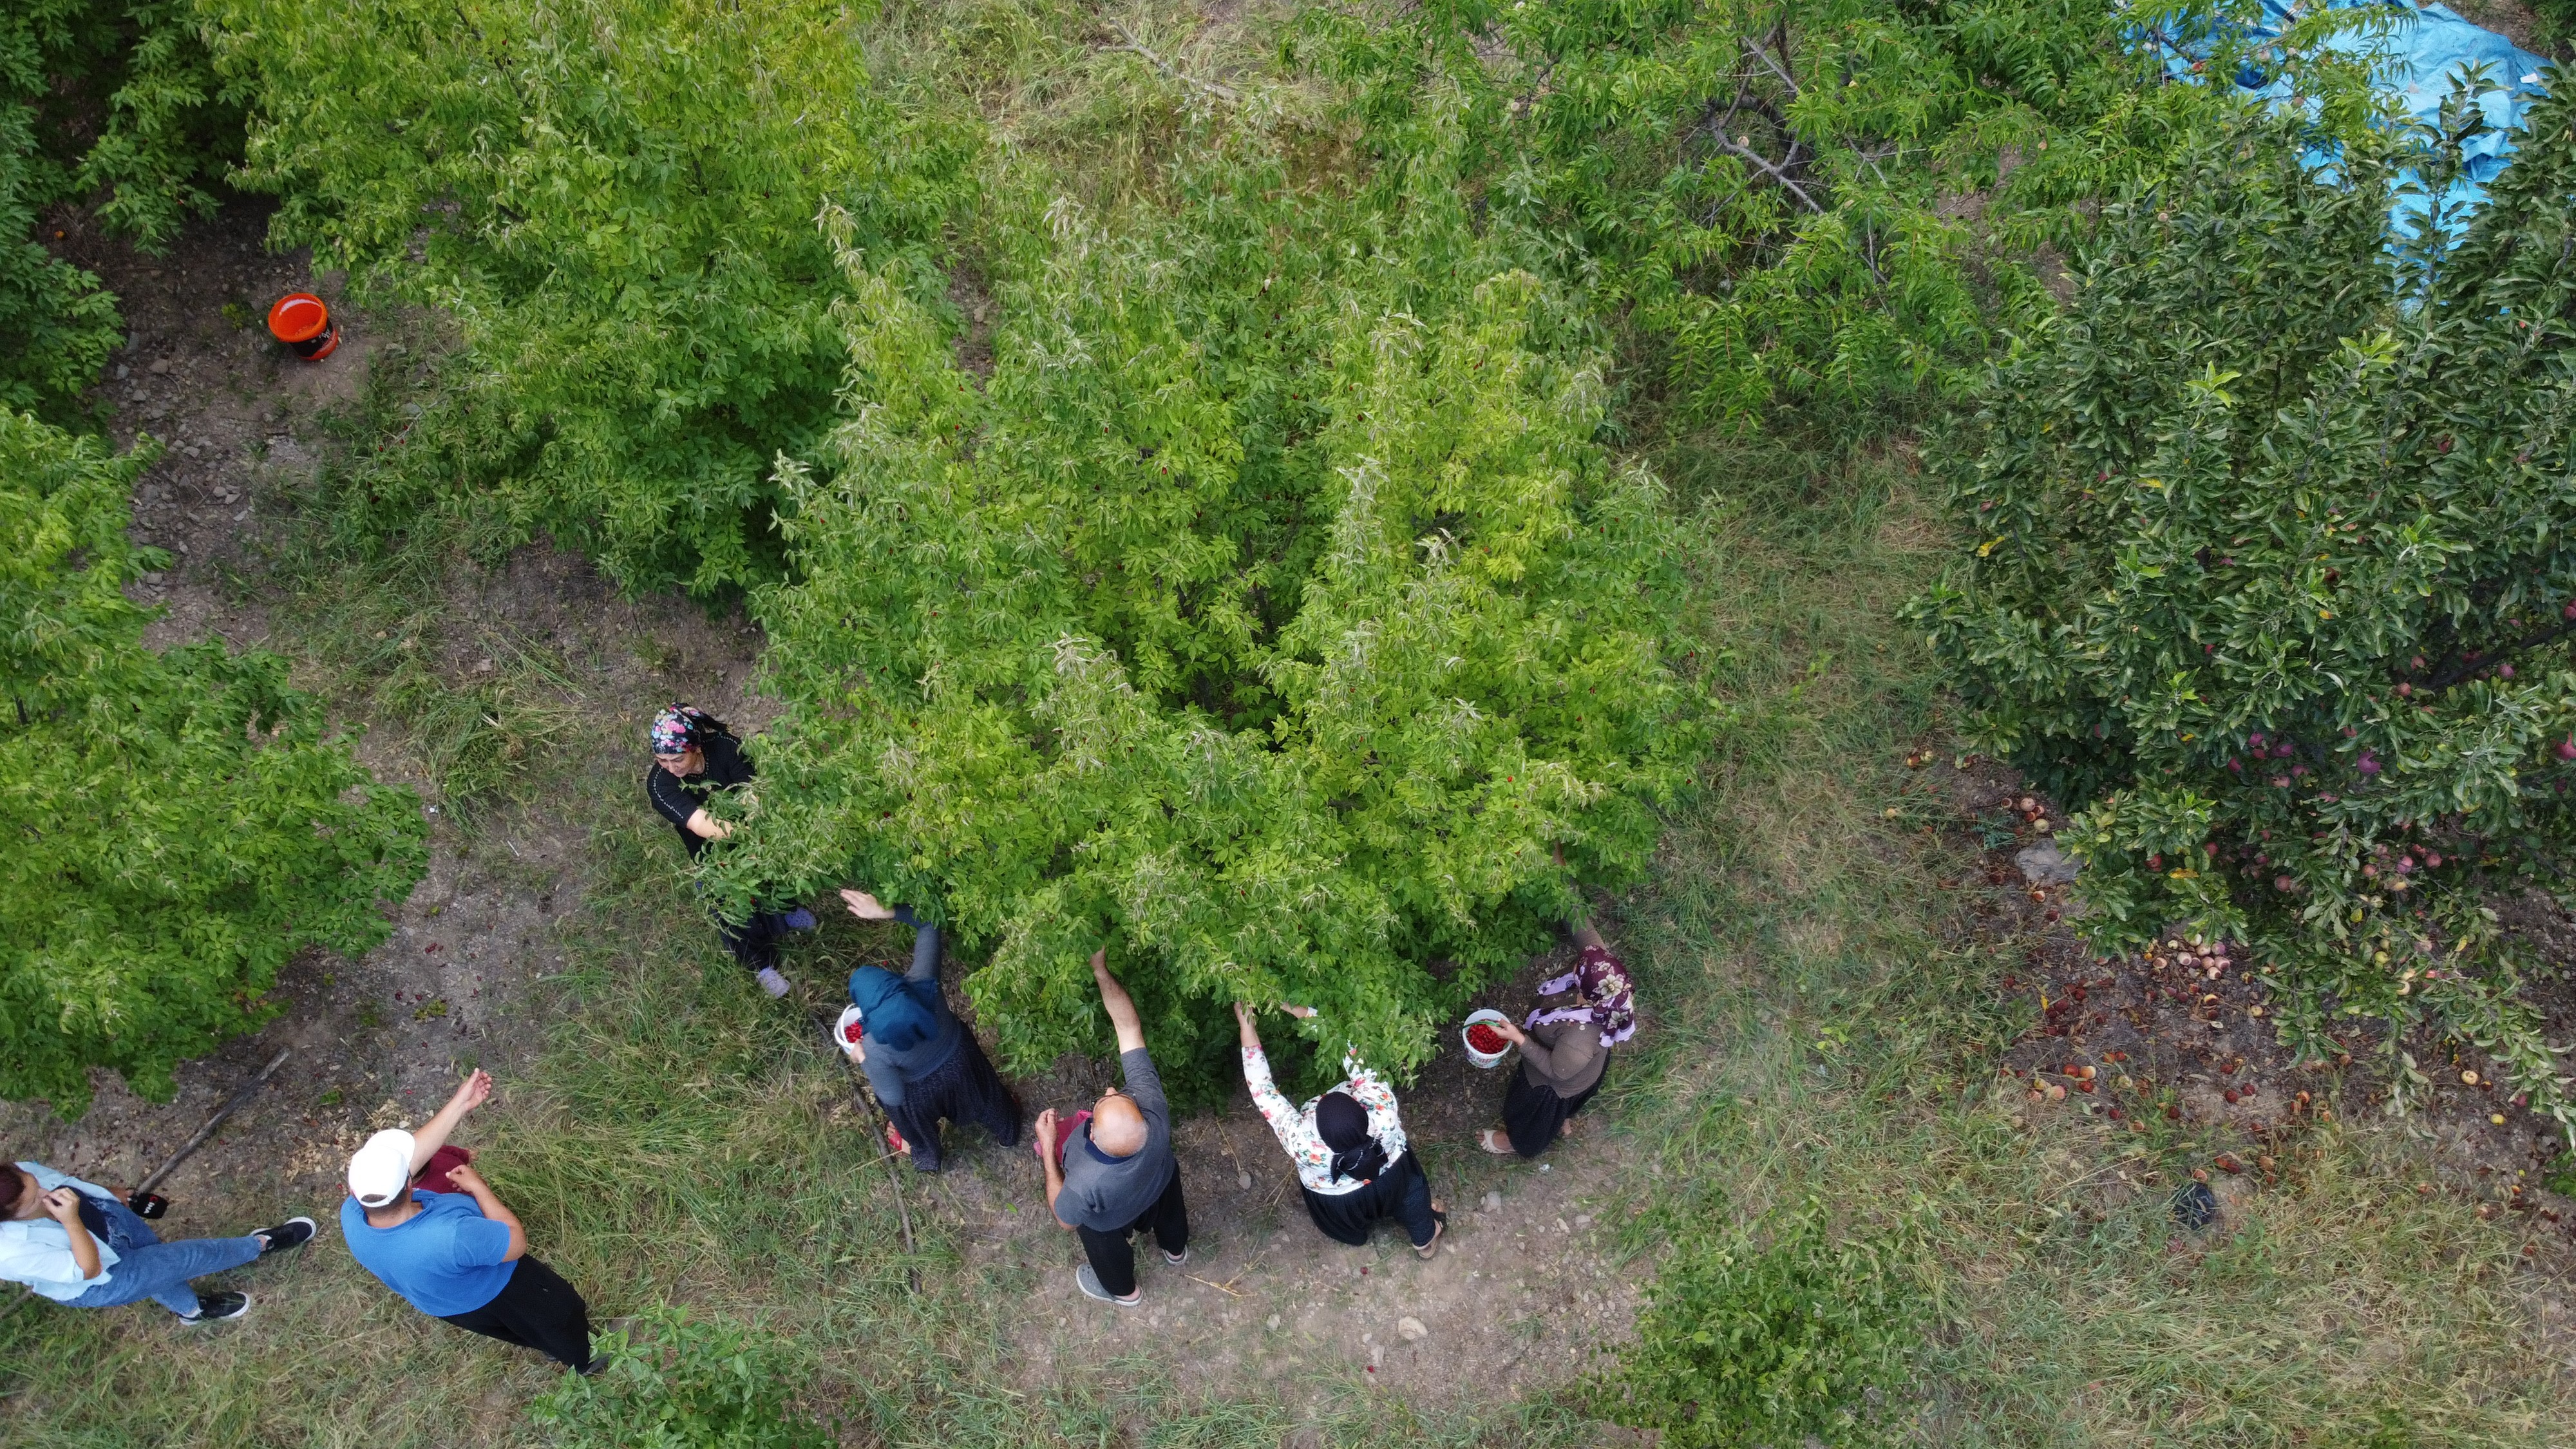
(754, 943)
(964, 1088)
(536, 1309)
(1113, 1258)
(1401, 1192)
(1533, 1115)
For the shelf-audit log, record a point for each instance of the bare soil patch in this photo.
(2178, 1042)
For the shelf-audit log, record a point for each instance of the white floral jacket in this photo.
(1295, 1126)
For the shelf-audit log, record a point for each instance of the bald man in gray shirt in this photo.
(1117, 1176)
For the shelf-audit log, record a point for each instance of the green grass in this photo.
(1825, 1036)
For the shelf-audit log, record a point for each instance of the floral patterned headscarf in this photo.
(1607, 1002)
(675, 730)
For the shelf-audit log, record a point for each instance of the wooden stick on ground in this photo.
(241, 1094)
(859, 1085)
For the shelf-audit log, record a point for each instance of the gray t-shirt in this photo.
(1106, 1193)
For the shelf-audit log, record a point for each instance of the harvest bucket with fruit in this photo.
(847, 1031)
(1485, 1040)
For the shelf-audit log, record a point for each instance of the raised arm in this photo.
(1122, 1007)
(1287, 1124)
(433, 1135)
(707, 827)
(925, 937)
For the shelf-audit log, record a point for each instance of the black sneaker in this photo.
(598, 1365)
(292, 1233)
(216, 1307)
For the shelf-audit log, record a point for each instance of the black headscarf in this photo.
(1343, 1124)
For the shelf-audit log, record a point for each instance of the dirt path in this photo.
(1527, 1287)
(378, 1039)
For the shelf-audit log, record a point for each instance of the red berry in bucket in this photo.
(1484, 1038)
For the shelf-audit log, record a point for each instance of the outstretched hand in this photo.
(865, 906)
(1046, 1134)
(473, 1092)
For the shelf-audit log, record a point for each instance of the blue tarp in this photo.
(2421, 51)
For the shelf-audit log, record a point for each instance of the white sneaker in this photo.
(772, 982)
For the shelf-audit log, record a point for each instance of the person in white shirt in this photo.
(77, 1244)
(1353, 1163)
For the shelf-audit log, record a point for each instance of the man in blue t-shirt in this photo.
(459, 1255)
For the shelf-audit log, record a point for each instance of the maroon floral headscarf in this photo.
(1607, 1001)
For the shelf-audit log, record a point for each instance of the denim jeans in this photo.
(147, 1267)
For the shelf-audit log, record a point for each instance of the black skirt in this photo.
(1401, 1193)
(964, 1088)
(1533, 1115)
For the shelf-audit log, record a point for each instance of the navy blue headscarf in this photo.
(899, 1012)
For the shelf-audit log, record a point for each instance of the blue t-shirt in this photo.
(446, 1259)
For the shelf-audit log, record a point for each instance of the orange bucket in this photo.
(303, 323)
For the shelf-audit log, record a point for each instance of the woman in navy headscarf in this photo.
(922, 1061)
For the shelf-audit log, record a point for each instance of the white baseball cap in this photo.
(381, 1169)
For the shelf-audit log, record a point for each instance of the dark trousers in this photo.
(536, 1309)
(754, 943)
(1401, 1192)
(1113, 1258)
(1533, 1115)
(964, 1088)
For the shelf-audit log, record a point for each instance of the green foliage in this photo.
(2275, 575)
(1271, 609)
(675, 1382)
(105, 103)
(1769, 1338)
(180, 826)
(1793, 201)
(614, 203)
(169, 129)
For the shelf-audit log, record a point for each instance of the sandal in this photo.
(1496, 1142)
(1439, 1225)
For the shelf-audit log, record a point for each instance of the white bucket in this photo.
(1483, 1014)
(841, 1029)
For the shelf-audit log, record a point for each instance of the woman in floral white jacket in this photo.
(1353, 1163)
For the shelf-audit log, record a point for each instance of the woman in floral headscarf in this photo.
(1564, 1050)
(695, 757)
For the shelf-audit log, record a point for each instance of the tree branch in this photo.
(1228, 94)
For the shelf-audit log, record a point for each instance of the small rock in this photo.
(1274, 1323)
(1583, 1220)
(2045, 865)
(1411, 1330)
(1243, 1179)
(160, 367)
(1560, 1225)
(1493, 1202)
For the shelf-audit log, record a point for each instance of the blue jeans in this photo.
(147, 1267)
